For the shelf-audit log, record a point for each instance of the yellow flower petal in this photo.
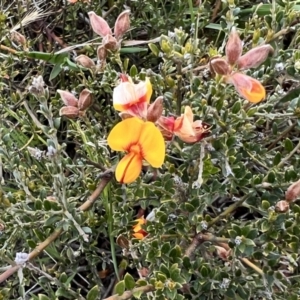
(152, 144)
(257, 92)
(124, 134)
(140, 221)
(148, 90)
(129, 168)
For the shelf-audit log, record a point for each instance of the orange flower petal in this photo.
(138, 226)
(139, 232)
(129, 168)
(184, 124)
(140, 235)
(152, 144)
(148, 90)
(124, 134)
(248, 87)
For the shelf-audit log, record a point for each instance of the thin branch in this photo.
(228, 210)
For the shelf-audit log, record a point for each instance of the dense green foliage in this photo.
(216, 233)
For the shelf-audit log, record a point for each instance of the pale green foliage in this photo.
(225, 187)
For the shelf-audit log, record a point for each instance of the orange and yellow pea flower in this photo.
(248, 87)
(141, 140)
(131, 97)
(184, 127)
(138, 231)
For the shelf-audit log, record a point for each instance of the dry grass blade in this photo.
(32, 16)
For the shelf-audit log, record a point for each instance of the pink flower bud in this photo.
(234, 47)
(70, 112)
(220, 66)
(101, 53)
(85, 99)
(254, 57)
(223, 253)
(85, 61)
(99, 25)
(155, 110)
(18, 38)
(122, 24)
(282, 206)
(110, 43)
(293, 192)
(68, 98)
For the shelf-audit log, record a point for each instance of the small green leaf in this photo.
(271, 177)
(236, 107)
(63, 277)
(55, 71)
(43, 297)
(38, 205)
(288, 145)
(31, 244)
(133, 71)
(120, 287)
(277, 159)
(204, 271)
(129, 281)
(265, 204)
(47, 205)
(248, 242)
(163, 268)
(93, 293)
(154, 49)
(137, 294)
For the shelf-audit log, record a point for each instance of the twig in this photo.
(283, 134)
(106, 178)
(289, 156)
(203, 237)
(179, 87)
(228, 211)
(217, 7)
(128, 294)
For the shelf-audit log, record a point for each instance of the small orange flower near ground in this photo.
(138, 231)
(141, 140)
(184, 127)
